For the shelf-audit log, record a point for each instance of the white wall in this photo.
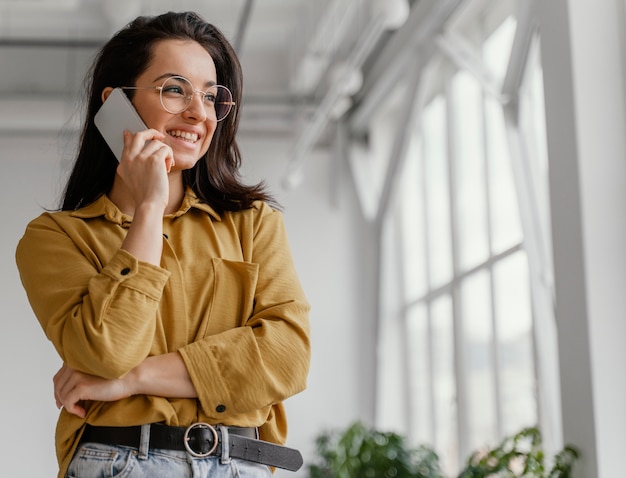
(583, 57)
(30, 166)
(323, 222)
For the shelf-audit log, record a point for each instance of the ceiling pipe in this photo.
(394, 12)
(323, 113)
(322, 44)
(386, 15)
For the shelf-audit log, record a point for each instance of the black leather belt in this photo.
(200, 440)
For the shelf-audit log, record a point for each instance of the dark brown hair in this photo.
(215, 178)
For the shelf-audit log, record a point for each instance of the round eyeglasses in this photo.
(176, 94)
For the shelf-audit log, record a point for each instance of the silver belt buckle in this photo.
(186, 439)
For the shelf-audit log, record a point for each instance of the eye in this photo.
(173, 90)
(210, 98)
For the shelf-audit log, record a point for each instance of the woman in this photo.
(165, 284)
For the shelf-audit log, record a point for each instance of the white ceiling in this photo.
(286, 48)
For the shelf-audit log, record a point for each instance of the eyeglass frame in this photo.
(190, 97)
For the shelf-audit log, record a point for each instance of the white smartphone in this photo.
(116, 115)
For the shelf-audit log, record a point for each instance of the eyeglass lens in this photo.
(177, 94)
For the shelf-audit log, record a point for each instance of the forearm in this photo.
(266, 367)
(145, 237)
(161, 375)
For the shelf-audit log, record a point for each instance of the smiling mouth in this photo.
(184, 135)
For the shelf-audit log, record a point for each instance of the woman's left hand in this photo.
(72, 388)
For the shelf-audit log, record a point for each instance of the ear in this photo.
(106, 92)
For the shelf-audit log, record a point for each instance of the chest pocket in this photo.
(232, 295)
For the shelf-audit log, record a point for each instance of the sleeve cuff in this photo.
(132, 273)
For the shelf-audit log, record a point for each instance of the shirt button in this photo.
(220, 408)
(125, 271)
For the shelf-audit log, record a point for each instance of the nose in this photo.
(196, 109)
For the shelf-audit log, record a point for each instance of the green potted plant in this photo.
(363, 452)
(520, 456)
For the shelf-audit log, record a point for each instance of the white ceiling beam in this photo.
(426, 20)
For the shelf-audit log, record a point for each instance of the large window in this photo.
(459, 216)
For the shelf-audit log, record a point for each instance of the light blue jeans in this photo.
(95, 460)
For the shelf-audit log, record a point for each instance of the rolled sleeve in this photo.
(267, 359)
(100, 318)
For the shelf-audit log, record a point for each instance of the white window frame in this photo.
(531, 194)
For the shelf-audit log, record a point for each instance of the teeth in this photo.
(184, 135)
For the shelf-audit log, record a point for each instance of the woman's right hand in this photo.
(144, 167)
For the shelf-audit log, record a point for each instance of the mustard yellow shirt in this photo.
(226, 297)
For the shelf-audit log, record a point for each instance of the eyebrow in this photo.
(167, 75)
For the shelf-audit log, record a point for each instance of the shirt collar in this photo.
(103, 206)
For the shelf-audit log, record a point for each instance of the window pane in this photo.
(532, 123)
(421, 406)
(437, 192)
(470, 189)
(461, 211)
(444, 384)
(383, 130)
(478, 360)
(515, 343)
(412, 225)
(497, 48)
(506, 228)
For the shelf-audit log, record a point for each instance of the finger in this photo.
(142, 138)
(57, 400)
(76, 409)
(70, 396)
(151, 148)
(169, 164)
(62, 371)
(134, 143)
(60, 380)
(55, 380)
(146, 135)
(67, 389)
(62, 376)
(166, 153)
(159, 153)
(152, 134)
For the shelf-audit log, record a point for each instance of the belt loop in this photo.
(225, 445)
(144, 442)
